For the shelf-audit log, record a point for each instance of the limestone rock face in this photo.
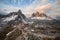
(41, 16)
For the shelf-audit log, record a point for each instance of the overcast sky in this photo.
(50, 7)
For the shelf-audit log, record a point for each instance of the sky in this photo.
(50, 7)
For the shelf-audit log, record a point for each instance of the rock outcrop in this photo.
(7, 22)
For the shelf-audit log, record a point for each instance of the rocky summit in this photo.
(18, 27)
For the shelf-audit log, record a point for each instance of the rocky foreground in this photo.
(39, 30)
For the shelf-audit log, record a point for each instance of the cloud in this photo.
(36, 5)
(45, 5)
(9, 9)
(56, 8)
(44, 1)
(14, 1)
(41, 5)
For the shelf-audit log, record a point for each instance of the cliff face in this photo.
(37, 14)
(7, 22)
(41, 16)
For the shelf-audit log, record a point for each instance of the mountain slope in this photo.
(7, 22)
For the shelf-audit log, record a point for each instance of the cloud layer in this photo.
(50, 7)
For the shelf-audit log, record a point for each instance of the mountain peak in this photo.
(40, 16)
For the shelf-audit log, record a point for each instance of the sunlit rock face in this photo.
(40, 16)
